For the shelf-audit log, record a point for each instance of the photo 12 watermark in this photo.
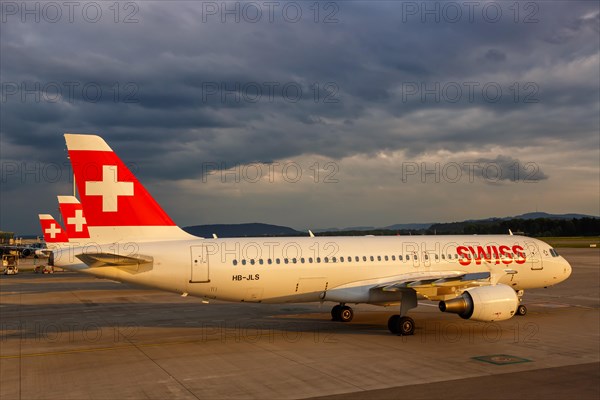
(69, 92)
(490, 171)
(269, 92)
(54, 12)
(35, 172)
(273, 172)
(270, 12)
(454, 12)
(469, 92)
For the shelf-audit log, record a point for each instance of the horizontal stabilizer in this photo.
(97, 260)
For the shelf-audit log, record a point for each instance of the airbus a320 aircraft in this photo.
(477, 277)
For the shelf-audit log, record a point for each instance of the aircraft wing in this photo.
(442, 279)
(441, 285)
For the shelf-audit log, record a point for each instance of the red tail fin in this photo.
(74, 218)
(112, 196)
(52, 231)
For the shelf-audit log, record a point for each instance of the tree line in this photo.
(538, 227)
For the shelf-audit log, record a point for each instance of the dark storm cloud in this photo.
(179, 89)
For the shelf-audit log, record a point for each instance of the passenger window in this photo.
(333, 259)
(269, 261)
(364, 258)
(278, 261)
(372, 258)
(318, 259)
(243, 262)
(393, 258)
(400, 257)
(326, 259)
(294, 260)
(407, 257)
(310, 260)
(234, 262)
(286, 261)
(302, 260)
(252, 261)
(260, 261)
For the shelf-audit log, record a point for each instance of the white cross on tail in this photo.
(109, 188)
(52, 231)
(78, 220)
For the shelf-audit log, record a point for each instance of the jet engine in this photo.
(484, 303)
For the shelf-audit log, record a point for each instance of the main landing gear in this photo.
(403, 326)
(342, 313)
(397, 324)
(521, 309)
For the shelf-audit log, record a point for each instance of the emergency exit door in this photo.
(200, 265)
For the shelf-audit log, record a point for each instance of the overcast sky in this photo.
(329, 114)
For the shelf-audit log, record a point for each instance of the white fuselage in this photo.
(304, 269)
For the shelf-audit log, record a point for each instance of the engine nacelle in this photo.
(484, 303)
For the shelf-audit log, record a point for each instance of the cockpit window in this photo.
(553, 252)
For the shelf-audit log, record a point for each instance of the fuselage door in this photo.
(200, 265)
(534, 258)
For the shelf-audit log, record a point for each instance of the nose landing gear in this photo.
(521, 309)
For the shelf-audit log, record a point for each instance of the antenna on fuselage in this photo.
(510, 232)
(310, 233)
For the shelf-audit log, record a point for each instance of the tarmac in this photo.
(70, 336)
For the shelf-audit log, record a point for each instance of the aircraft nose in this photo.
(567, 269)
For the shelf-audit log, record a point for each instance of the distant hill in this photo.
(533, 223)
(242, 230)
(374, 228)
(408, 226)
(350, 228)
(425, 226)
(536, 215)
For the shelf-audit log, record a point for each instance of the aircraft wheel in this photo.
(335, 313)
(346, 314)
(521, 310)
(393, 324)
(406, 326)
